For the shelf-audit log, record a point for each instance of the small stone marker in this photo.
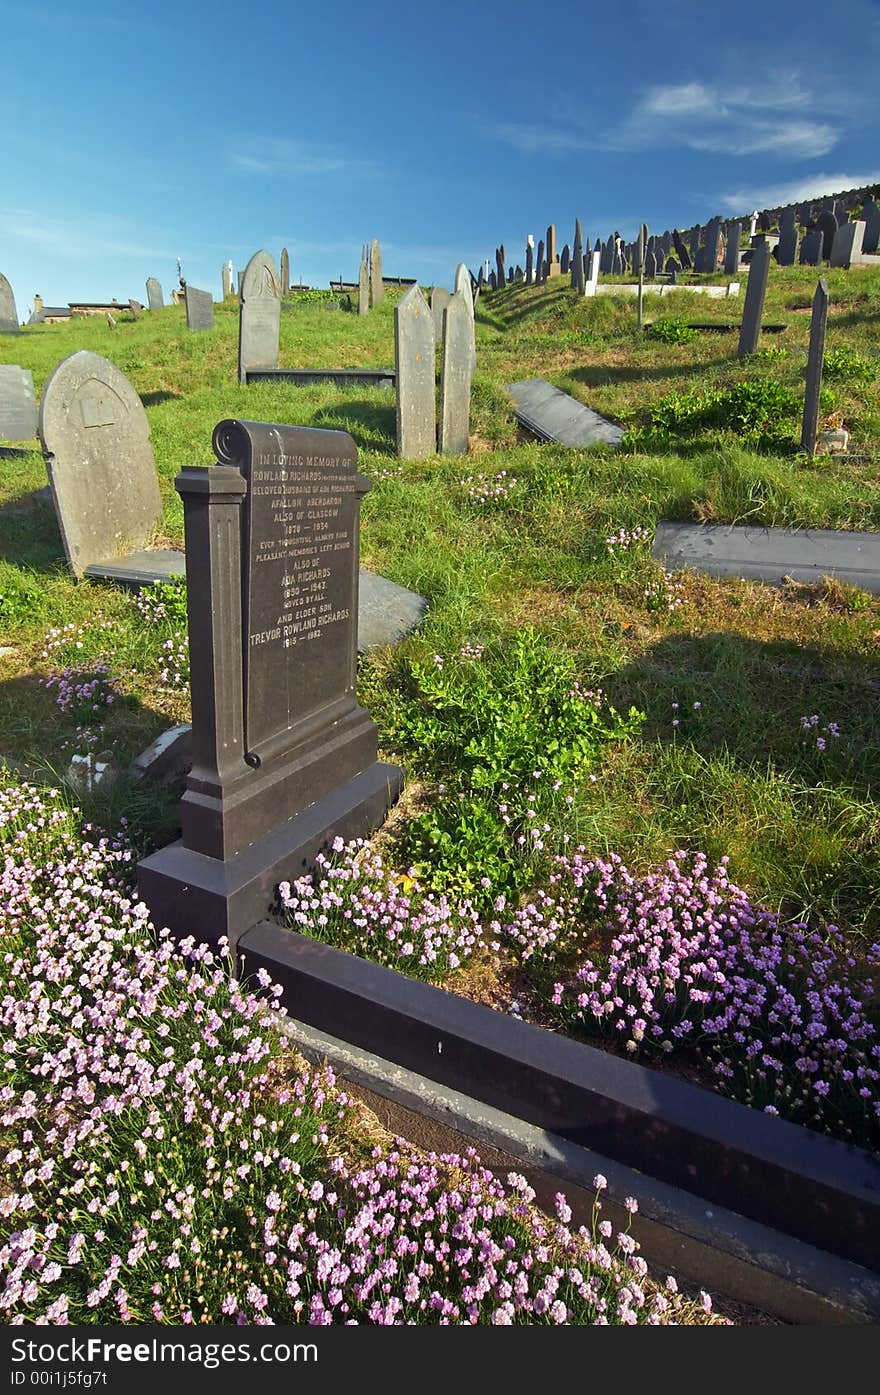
(8, 312)
(771, 554)
(753, 308)
(259, 324)
(199, 308)
(815, 359)
(18, 407)
(731, 255)
(285, 271)
(440, 298)
(846, 250)
(377, 289)
(111, 323)
(154, 294)
(96, 439)
(827, 225)
(455, 375)
(284, 758)
(364, 288)
(135, 307)
(414, 357)
(553, 415)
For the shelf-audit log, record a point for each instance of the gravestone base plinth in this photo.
(208, 897)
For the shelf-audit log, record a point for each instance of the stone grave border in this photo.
(768, 1202)
(342, 377)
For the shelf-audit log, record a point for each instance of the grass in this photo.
(513, 538)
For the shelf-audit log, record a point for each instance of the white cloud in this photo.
(540, 140)
(813, 186)
(293, 158)
(799, 139)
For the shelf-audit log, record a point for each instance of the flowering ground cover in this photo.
(166, 1158)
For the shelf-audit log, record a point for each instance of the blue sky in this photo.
(205, 130)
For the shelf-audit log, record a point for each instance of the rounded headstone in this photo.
(259, 324)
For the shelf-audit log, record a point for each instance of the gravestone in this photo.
(462, 283)
(414, 361)
(500, 273)
(377, 289)
(811, 248)
(672, 267)
(847, 246)
(681, 250)
(259, 321)
(815, 360)
(102, 474)
(8, 312)
(771, 554)
(565, 260)
(440, 298)
(285, 271)
(456, 371)
(284, 758)
(539, 264)
(553, 415)
(786, 248)
(553, 267)
(226, 280)
(827, 225)
(731, 255)
(493, 281)
(18, 407)
(650, 265)
(753, 307)
(530, 264)
(199, 308)
(713, 245)
(111, 323)
(577, 259)
(154, 294)
(870, 216)
(135, 307)
(363, 288)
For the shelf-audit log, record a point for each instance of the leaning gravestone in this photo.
(154, 294)
(364, 288)
(414, 360)
(681, 249)
(285, 271)
(259, 324)
(284, 758)
(815, 361)
(135, 307)
(18, 408)
(440, 298)
(377, 289)
(102, 474)
(199, 308)
(753, 308)
(8, 312)
(455, 376)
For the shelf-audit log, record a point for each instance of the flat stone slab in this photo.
(771, 554)
(343, 377)
(667, 288)
(386, 612)
(553, 415)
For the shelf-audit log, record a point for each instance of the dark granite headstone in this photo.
(827, 225)
(540, 264)
(493, 281)
(753, 308)
(500, 272)
(8, 312)
(530, 264)
(414, 362)
(455, 376)
(577, 259)
(870, 216)
(259, 323)
(18, 407)
(811, 248)
(846, 250)
(154, 294)
(815, 360)
(565, 260)
(672, 267)
(731, 254)
(553, 415)
(650, 265)
(285, 271)
(786, 249)
(284, 758)
(681, 250)
(199, 308)
(96, 439)
(713, 245)
(377, 288)
(440, 298)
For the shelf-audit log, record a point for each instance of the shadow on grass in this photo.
(372, 424)
(154, 399)
(606, 375)
(29, 534)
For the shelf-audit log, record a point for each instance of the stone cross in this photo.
(414, 360)
(455, 376)
(259, 321)
(753, 309)
(815, 359)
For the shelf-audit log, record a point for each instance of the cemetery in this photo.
(447, 713)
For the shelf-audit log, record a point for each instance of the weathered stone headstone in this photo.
(440, 298)
(493, 281)
(414, 361)
(259, 323)
(565, 260)
(102, 474)
(455, 376)
(815, 360)
(577, 259)
(363, 288)
(226, 279)
(135, 308)
(8, 312)
(731, 255)
(18, 407)
(111, 323)
(811, 248)
(530, 264)
(540, 264)
(500, 273)
(786, 248)
(847, 246)
(650, 265)
(284, 758)
(154, 294)
(285, 271)
(870, 216)
(199, 308)
(753, 308)
(713, 245)
(553, 267)
(827, 225)
(377, 289)
(462, 285)
(672, 267)
(681, 250)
